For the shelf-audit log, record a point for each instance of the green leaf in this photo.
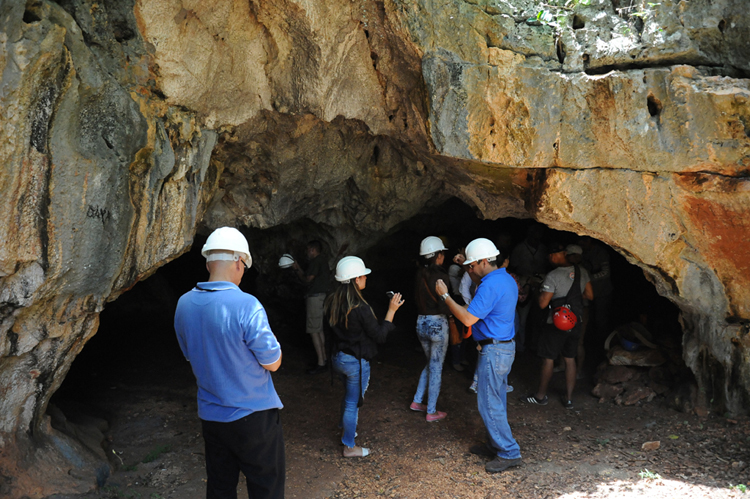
(674, 437)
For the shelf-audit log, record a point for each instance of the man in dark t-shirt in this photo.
(316, 276)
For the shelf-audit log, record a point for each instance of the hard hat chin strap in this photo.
(229, 257)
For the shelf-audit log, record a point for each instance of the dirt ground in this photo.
(592, 451)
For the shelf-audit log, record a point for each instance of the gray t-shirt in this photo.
(559, 282)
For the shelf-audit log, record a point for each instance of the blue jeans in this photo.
(349, 369)
(492, 373)
(432, 331)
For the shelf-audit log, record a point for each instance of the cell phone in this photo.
(389, 294)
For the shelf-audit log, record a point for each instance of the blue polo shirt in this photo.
(224, 334)
(495, 306)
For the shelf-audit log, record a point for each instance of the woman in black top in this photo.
(354, 332)
(432, 328)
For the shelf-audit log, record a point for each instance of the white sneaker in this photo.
(508, 388)
(473, 387)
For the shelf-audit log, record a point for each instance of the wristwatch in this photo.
(444, 296)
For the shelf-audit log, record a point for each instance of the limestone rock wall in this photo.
(101, 184)
(282, 168)
(639, 116)
(127, 126)
(230, 60)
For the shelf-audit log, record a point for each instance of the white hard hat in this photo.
(230, 240)
(431, 245)
(286, 261)
(479, 249)
(350, 267)
(573, 249)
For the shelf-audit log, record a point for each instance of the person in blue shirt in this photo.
(492, 315)
(224, 334)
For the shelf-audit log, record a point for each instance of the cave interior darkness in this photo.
(136, 342)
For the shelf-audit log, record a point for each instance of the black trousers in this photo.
(253, 445)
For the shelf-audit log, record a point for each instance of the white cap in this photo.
(350, 267)
(431, 245)
(286, 261)
(233, 244)
(479, 249)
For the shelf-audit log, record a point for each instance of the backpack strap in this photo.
(574, 297)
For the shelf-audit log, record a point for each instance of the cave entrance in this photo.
(135, 356)
(633, 299)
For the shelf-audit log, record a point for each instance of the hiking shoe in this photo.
(418, 407)
(531, 399)
(499, 464)
(568, 404)
(432, 418)
(473, 387)
(482, 450)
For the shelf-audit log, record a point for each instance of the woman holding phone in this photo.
(355, 332)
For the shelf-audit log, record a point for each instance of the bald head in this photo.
(228, 269)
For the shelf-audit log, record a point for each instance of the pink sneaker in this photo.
(431, 418)
(418, 407)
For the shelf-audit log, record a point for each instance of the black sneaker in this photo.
(531, 399)
(499, 464)
(568, 404)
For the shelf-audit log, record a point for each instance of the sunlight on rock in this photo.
(656, 488)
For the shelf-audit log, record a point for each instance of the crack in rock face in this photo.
(129, 126)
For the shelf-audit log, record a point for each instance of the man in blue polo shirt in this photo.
(492, 313)
(224, 334)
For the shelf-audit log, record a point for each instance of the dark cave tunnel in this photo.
(136, 345)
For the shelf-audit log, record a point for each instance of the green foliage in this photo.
(740, 486)
(602, 441)
(649, 475)
(556, 13)
(638, 9)
(154, 454)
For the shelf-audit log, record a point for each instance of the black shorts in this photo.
(553, 342)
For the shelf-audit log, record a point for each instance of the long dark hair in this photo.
(427, 270)
(429, 265)
(346, 298)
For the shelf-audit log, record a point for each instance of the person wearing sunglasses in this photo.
(491, 315)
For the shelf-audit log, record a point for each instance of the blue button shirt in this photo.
(495, 306)
(225, 335)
